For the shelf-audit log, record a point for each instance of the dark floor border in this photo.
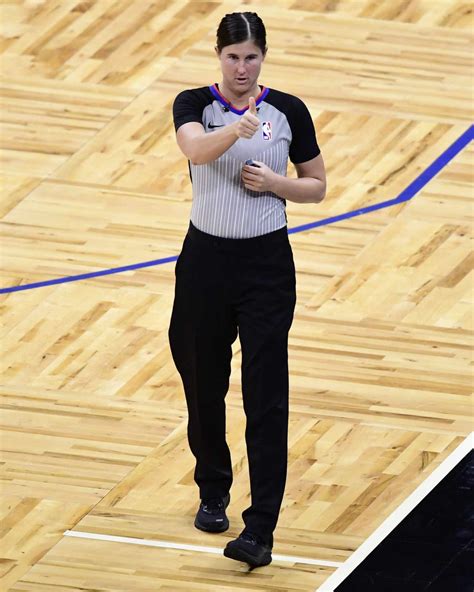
(337, 581)
(432, 549)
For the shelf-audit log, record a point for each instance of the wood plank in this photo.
(93, 415)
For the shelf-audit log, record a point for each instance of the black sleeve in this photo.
(304, 145)
(188, 106)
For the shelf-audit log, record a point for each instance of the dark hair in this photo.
(241, 26)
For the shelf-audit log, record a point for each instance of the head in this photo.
(241, 48)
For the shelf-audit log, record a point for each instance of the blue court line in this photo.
(405, 195)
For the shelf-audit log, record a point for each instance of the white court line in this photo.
(343, 569)
(184, 547)
(398, 515)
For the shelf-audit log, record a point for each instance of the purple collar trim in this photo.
(220, 97)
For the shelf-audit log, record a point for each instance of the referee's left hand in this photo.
(259, 178)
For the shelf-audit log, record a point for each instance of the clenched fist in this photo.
(259, 177)
(249, 123)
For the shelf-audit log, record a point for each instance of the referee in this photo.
(235, 275)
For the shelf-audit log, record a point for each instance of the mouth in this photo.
(242, 80)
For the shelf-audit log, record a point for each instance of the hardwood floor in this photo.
(93, 415)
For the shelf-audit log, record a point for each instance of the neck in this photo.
(238, 98)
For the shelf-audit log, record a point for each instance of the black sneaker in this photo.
(211, 514)
(249, 548)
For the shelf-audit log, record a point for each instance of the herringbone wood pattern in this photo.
(93, 414)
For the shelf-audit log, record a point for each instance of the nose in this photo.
(241, 67)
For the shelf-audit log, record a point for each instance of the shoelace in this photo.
(249, 538)
(254, 539)
(213, 505)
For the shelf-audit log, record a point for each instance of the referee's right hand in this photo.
(249, 123)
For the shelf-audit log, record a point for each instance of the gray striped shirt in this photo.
(222, 206)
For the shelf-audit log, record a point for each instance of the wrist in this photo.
(274, 182)
(235, 127)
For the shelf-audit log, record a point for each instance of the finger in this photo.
(244, 133)
(248, 132)
(250, 121)
(252, 106)
(251, 168)
(249, 176)
(253, 120)
(250, 124)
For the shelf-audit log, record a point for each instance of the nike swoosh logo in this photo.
(211, 125)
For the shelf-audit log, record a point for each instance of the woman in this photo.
(236, 275)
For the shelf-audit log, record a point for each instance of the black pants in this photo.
(226, 287)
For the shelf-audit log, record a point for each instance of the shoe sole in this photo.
(222, 528)
(241, 555)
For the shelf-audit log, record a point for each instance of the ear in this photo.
(265, 53)
(217, 51)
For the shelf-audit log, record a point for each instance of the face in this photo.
(241, 64)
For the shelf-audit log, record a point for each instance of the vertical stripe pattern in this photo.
(222, 206)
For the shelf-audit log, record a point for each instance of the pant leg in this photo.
(201, 333)
(265, 317)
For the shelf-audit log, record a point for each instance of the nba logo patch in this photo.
(267, 130)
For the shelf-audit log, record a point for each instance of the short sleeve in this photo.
(188, 106)
(304, 145)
